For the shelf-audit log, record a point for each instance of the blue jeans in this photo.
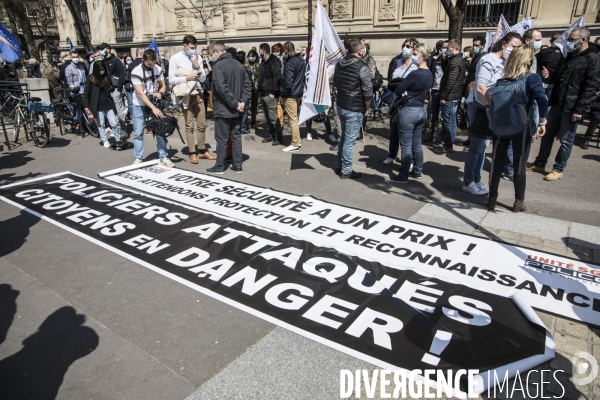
(410, 124)
(129, 95)
(508, 162)
(449, 121)
(138, 139)
(435, 111)
(112, 121)
(474, 160)
(245, 116)
(350, 123)
(559, 124)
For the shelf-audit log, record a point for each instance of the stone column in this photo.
(229, 23)
(278, 17)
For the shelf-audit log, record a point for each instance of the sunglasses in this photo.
(407, 46)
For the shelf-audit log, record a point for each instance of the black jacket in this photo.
(230, 85)
(352, 80)
(115, 69)
(293, 77)
(553, 60)
(269, 74)
(395, 63)
(91, 94)
(577, 84)
(451, 86)
(472, 70)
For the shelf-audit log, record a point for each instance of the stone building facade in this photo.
(127, 24)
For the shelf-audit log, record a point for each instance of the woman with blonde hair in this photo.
(517, 67)
(412, 114)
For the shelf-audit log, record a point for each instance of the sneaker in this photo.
(534, 168)
(109, 132)
(415, 176)
(466, 143)
(507, 176)
(482, 187)
(215, 170)
(308, 137)
(107, 144)
(397, 179)
(237, 170)
(473, 188)
(228, 161)
(333, 148)
(333, 139)
(338, 171)
(388, 161)
(585, 145)
(351, 175)
(553, 176)
(291, 148)
(165, 162)
(137, 161)
(267, 139)
(277, 142)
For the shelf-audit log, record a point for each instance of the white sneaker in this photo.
(291, 148)
(388, 161)
(106, 144)
(308, 137)
(482, 187)
(109, 132)
(473, 189)
(333, 138)
(165, 162)
(137, 161)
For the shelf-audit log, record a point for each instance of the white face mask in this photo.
(466, 54)
(507, 51)
(537, 45)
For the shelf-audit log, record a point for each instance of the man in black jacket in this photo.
(573, 94)
(434, 63)
(552, 60)
(231, 91)
(292, 89)
(269, 75)
(115, 69)
(352, 80)
(451, 89)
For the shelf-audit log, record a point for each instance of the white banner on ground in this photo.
(548, 282)
(326, 50)
(562, 40)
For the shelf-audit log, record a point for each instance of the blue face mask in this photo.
(285, 56)
(415, 59)
(448, 53)
(128, 62)
(570, 47)
(405, 52)
(103, 53)
(476, 50)
(102, 72)
(191, 52)
(211, 58)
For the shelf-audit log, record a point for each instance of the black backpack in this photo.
(462, 118)
(377, 81)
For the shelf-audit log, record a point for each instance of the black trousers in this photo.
(223, 128)
(594, 121)
(253, 108)
(520, 156)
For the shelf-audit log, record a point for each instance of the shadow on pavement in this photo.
(12, 178)
(8, 308)
(15, 159)
(38, 369)
(594, 157)
(58, 142)
(14, 232)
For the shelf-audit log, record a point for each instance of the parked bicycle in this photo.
(71, 116)
(379, 108)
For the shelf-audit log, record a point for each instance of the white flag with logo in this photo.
(502, 29)
(522, 26)
(562, 40)
(326, 50)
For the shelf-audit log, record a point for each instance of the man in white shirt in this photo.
(187, 59)
(148, 81)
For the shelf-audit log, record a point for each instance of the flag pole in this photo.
(309, 29)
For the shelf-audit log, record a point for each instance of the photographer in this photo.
(192, 104)
(148, 82)
(97, 99)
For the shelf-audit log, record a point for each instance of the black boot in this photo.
(519, 205)
(491, 205)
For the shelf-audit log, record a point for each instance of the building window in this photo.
(123, 20)
(83, 11)
(481, 13)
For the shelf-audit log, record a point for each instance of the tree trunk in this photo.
(79, 25)
(20, 14)
(457, 22)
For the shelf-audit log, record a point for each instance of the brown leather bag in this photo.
(210, 100)
(280, 113)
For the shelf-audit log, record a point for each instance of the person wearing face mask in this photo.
(292, 89)
(303, 52)
(573, 94)
(116, 70)
(404, 66)
(128, 86)
(98, 100)
(489, 70)
(451, 93)
(75, 74)
(413, 115)
(478, 52)
(192, 102)
(148, 83)
(277, 51)
(434, 62)
(468, 55)
(269, 75)
(533, 39)
(252, 66)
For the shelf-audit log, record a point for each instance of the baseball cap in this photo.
(103, 46)
(439, 44)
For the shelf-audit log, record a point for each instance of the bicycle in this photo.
(378, 106)
(70, 112)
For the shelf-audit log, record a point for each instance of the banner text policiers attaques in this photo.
(393, 318)
(551, 283)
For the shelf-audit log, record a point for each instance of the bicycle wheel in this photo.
(40, 129)
(90, 127)
(18, 123)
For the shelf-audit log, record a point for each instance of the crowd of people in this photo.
(423, 83)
